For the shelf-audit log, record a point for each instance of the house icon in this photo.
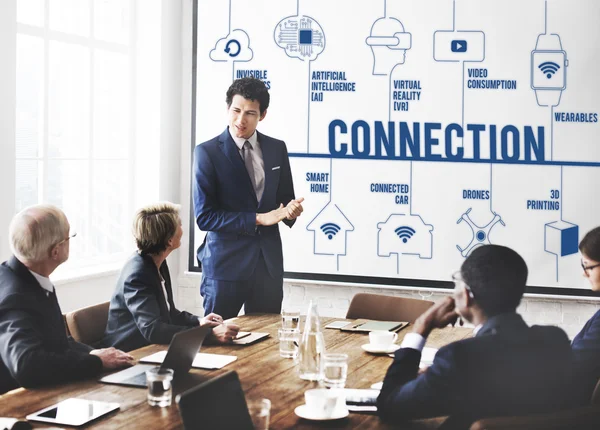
(330, 227)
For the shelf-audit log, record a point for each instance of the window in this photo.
(75, 106)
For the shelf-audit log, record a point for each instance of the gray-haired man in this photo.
(34, 347)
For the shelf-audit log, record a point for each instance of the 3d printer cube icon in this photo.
(561, 238)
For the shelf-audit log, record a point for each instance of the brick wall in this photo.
(333, 301)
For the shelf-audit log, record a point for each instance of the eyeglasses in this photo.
(70, 236)
(458, 280)
(586, 268)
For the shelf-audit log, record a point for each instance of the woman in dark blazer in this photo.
(586, 345)
(142, 310)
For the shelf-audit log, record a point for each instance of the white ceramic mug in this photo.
(321, 402)
(382, 338)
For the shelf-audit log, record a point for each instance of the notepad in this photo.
(202, 360)
(366, 326)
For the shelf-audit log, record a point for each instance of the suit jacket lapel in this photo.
(231, 151)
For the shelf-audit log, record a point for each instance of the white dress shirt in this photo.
(257, 160)
(44, 282)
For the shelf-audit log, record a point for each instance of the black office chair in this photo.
(217, 403)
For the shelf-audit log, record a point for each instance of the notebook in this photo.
(366, 326)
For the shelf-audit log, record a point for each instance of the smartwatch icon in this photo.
(548, 69)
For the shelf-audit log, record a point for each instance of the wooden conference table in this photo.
(262, 372)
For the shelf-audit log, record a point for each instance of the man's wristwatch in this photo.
(548, 69)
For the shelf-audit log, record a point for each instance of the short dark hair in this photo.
(497, 275)
(590, 244)
(251, 89)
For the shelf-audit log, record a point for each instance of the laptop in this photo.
(218, 403)
(180, 356)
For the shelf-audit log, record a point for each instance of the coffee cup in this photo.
(322, 402)
(382, 338)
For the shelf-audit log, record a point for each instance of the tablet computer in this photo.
(73, 412)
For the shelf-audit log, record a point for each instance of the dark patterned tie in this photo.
(248, 162)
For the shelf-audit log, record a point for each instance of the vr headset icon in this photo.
(399, 40)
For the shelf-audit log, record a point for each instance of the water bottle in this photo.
(311, 347)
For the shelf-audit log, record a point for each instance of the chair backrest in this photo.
(386, 308)
(218, 403)
(87, 325)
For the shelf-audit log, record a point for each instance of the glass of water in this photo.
(290, 320)
(335, 370)
(159, 386)
(288, 342)
(260, 412)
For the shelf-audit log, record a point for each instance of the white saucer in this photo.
(379, 350)
(303, 412)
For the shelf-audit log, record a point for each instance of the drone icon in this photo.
(481, 235)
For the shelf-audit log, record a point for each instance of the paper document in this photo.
(202, 360)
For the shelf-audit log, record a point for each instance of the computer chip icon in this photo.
(305, 37)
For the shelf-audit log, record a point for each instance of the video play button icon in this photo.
(458, 46)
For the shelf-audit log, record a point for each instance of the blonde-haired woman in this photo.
(141, 310)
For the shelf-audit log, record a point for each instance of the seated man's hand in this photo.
(211, 320)
(438, 316)
(113, 358)
(294, 208)
(225, 333)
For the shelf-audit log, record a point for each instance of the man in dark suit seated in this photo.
(34, 347)
(507, 368)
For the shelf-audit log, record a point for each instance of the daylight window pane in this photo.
(111, 105)
(27, 175)
(30, 12)
(29, 124)
(67, 188)
(110, 230)
(70, 16)
(111, 20)
(69, 101)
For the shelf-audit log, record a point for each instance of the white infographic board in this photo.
(419, 130)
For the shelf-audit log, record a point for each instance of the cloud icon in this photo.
(234, 47)
(300, 37)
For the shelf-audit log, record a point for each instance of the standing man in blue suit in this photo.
(242, 189)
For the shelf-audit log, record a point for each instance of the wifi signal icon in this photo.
(330, 229)
(549, 68)
(405, 233)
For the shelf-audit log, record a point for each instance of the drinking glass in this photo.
(288, 342)
(335, 370)
(290, 320)
(159, 386)
(260, 412)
